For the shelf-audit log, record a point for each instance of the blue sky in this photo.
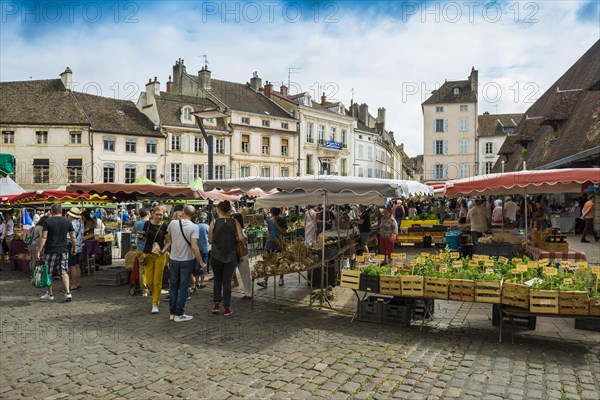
(389, 54)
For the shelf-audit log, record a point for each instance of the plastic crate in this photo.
(419, 308)
(371, 309)
(453, 240)
(396, 314)
(369, 283)
(112, 276)
(495, 249)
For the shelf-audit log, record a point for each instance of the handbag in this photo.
(241, 248)
(41, 278)
(156, 250)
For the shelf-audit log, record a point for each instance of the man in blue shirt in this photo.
(199, 273)
(140, 243)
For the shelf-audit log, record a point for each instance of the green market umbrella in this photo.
(7, 164)
(144, 181)
(197, 184)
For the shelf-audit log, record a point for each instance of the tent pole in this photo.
(323, 266)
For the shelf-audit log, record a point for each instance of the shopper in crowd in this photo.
(2, 229)
(276, 231)
(510, 210)
(398, 212)
(223, 234)
(140, 243)
(364, 227)
(184, 255)
(9, 230)
(588, 216)
(99, 227)
(55, 231)
(88, 224)
(311, 231)
(541, 217)
(497, 214)
(463, 211)
(479, 218)
(33, 247)
(244, 262)
(74, 216)
(156, 232)
(388, 229)
(204, 247)
(412, 209)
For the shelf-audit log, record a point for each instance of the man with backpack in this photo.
(398, 212)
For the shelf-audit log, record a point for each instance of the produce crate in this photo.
(461, 290)
(371, 309)
(595, 307)
(412, 285)
(419, 306)
(369, 283)
(516, 295)
(112, 276)
(543, 301)
(436, 288)
(573, 303)
(350, 278)
(108, 237)
(397, 314)
(390, 285)
(553, 247)
(488, 292)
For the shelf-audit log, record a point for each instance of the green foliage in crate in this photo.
(376, 270)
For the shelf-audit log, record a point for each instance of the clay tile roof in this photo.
(495, 124)
(169, 108)
(561, 105)
(445, 94)
(362, 127)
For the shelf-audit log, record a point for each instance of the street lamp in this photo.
(200, 115)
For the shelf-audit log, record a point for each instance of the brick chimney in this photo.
(67, 79)
(381, 117)
(204, 78)
(363, 114)
(170, 85)
(284, 90)
(178, 73)
(255, 82)
(268, 89)
(474, 80)
(323, 99)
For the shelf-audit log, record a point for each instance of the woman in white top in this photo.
(310, 226)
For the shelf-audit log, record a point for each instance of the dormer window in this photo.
(456, 90)
(187, 113)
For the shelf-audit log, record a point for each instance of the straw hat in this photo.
(74, 212)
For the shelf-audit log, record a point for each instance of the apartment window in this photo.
(41, 170)
(321, 133)
(75, 137)
(439, 171)
(151, 146)
(464, 146)
(284, 147)
(130, 172)
(108, 173)
(245, 143)
(440, 125)
(456, 90)
(370, 173)
(41, 137)
(109, 143)
(439, 109)
(344, 138)
(309, 166)
(244, 172)
(285, 172)
(360, 172)
(489, 147)
(187, 114)
(309, 132)
(8, 137)
(343, 167)
(487, 167)
(220, 146)
(369, 153)
(464, 107)
(151, 172)
(220, 172)
(175, 170)
(246, 120)
(464, 124)
(198, 144)
(176, 142)
(198, 171)
(332, 134)
(266, 122)
(438, 147)
(74, 170)
(265, 145)
(464, 170)
(285, 125)
(130, 146)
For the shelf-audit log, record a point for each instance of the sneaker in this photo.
(171, 317)
(154, 309)
(164, 292)
(68, 297)
(47, 297)
(280, 281)
(202, 285)
(228, 311)
(262, 284)
(216, 309)
(145, 294)
(182, 318)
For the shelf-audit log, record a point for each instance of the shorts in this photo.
(364, 238)
(200, 271)
(74, 259)
(58, 263)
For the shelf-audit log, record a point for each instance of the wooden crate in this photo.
(543, 301)
(553, 247)
(514, 294)
(436, 288)
(595, 307)
(390, 285)
(412, 285)
(573, 303)
(488, 292)
(461, 290)
(350, 278)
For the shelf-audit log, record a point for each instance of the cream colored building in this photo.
(450, 148)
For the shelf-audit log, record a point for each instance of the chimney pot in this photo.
(284, 90)
(323, 99)
(268, 89)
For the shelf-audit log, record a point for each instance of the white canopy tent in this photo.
(8, 187)
(302, 198)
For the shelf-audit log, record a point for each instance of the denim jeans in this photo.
(180, 273)
(223, 273)
(474, 237)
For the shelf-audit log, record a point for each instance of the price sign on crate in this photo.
(503, 260)
(517, 260)
(380, 258)
(454, 255)
(532, 264)
(421, 260)
(473, 263)
(488, 263)
(398, 256)
(596, 270)
(424, 254)
(435, 257)
(582, 264)
(522, 267)
(565, 264)
(550, 271)
(457, 264)
(543, 262)
(568, 281)
(489, 271)
(412, 263)
(443, 269)
(360, 259)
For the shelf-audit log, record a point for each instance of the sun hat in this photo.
(74, 212)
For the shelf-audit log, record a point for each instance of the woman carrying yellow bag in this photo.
(155, 250)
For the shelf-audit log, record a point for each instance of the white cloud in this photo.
(378, 55)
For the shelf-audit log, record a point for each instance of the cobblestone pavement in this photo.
(106, 344)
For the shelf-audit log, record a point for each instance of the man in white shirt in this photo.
(510, 209)
(184, 236)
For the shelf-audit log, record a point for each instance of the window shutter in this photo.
(190, 176)
(445, 125)
(434, 149)
(184, 173)
(227, 145)
(433, 126)
(445, 167)
(445, 147)
(168, 171)
(183, 142)
(466, 124)
(170, 140)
